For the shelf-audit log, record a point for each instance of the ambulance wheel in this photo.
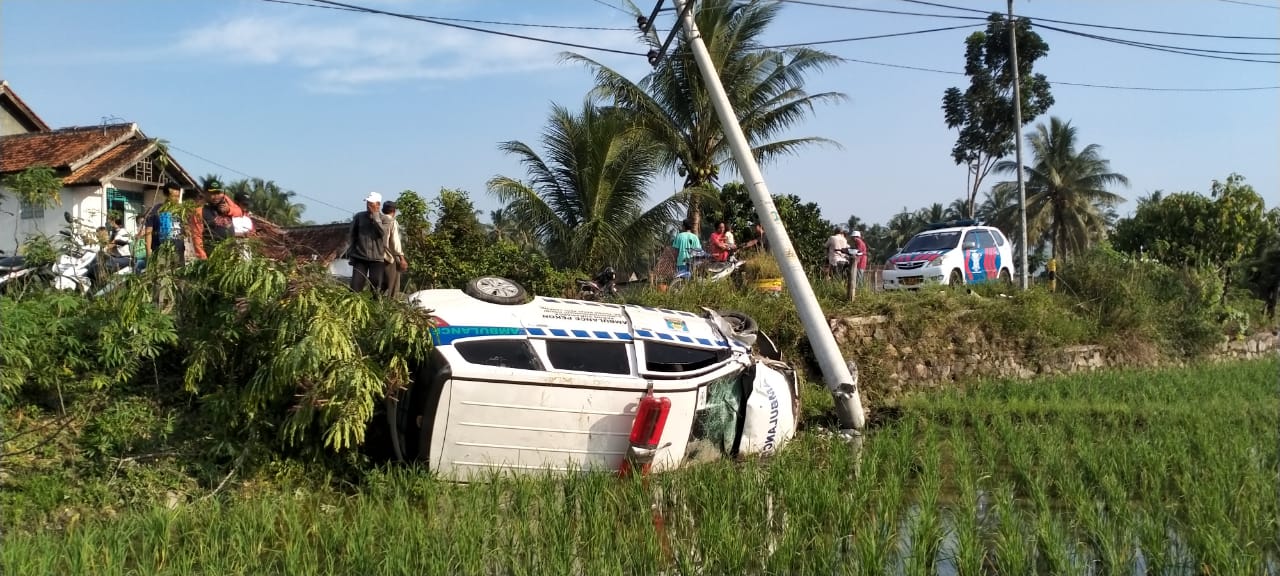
(742, 324)
(496, 290)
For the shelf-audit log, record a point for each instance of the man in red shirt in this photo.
(211, 223)
(861, 247)
(719, 244)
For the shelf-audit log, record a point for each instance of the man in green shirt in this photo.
(685, 244)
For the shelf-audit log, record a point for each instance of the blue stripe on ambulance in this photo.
(445, 335)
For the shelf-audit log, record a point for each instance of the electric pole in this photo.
(836, 373)
(1017, 138)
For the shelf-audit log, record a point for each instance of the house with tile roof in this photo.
(109, 168)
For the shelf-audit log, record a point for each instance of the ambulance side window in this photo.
(516, 354)
(661, 357)
(589, 356)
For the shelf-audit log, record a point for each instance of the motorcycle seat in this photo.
(12, 263)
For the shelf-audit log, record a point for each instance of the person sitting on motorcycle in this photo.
(719, 244)
(686, 243)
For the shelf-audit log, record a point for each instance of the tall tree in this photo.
(983, 113)
(765, 87)
(585, 200)
(803, 221)
(1066, 188)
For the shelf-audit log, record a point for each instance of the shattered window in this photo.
(501, 353)
(587, 356)
(661, 357)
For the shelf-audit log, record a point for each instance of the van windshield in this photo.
(933, 241)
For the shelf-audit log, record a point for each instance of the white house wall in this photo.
(83, 202)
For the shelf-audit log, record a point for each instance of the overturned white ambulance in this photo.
(530, 384)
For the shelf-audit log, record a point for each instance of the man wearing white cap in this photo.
(367, 248)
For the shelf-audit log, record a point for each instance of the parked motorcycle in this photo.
(702, 267)
(604, 285)
(12, 269)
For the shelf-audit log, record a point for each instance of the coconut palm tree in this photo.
(765, 87)
(268, 200)
(1067, 197)
(585, 201)
(503, 227)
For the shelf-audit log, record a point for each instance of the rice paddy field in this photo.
(1125, 472)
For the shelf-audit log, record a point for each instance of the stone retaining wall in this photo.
(893, 361)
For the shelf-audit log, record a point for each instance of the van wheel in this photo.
(496, 290)
(956, 279)
(741, 323)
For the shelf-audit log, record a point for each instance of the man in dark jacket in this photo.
(368, 245)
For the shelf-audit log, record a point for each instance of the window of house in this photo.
(516, 354)
(588, 356)
(661, 357)
(31, 211)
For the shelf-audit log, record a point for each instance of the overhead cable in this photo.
(439, 22)
(1088, 25)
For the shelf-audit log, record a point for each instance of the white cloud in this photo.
(344, 52)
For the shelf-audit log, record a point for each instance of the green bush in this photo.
(1132, 299)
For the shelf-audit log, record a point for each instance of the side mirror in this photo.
(970, 245)
(66, 216)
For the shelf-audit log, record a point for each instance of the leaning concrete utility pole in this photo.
(1017, 138)
(835, 372)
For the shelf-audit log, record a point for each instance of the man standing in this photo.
(212, 223)
(836, 245)
(861, 247)
(162, 227)
(761, 239)
(685, 243)
(367, 248)
(396, 262)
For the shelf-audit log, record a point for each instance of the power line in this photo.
(608, 5)
(882, 11)
(877, 36)
(1087, 25)
(436, 21)
(1079, 84)
(1156, 47)
(246, 175)
(1250, 4)
(467, 20)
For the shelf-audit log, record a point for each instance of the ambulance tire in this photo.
(496, 290)
(742, 324)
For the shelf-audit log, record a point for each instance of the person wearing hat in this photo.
(213, 222)
(367, 248)
(861, 265)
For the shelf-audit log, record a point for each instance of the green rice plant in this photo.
(969, 553)
(1013, 546)
(926, 532)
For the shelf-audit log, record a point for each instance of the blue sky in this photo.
(333, 104)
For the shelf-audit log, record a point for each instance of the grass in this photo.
(1168, 471)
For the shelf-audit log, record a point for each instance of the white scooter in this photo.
(76, 267)
(13, 268)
